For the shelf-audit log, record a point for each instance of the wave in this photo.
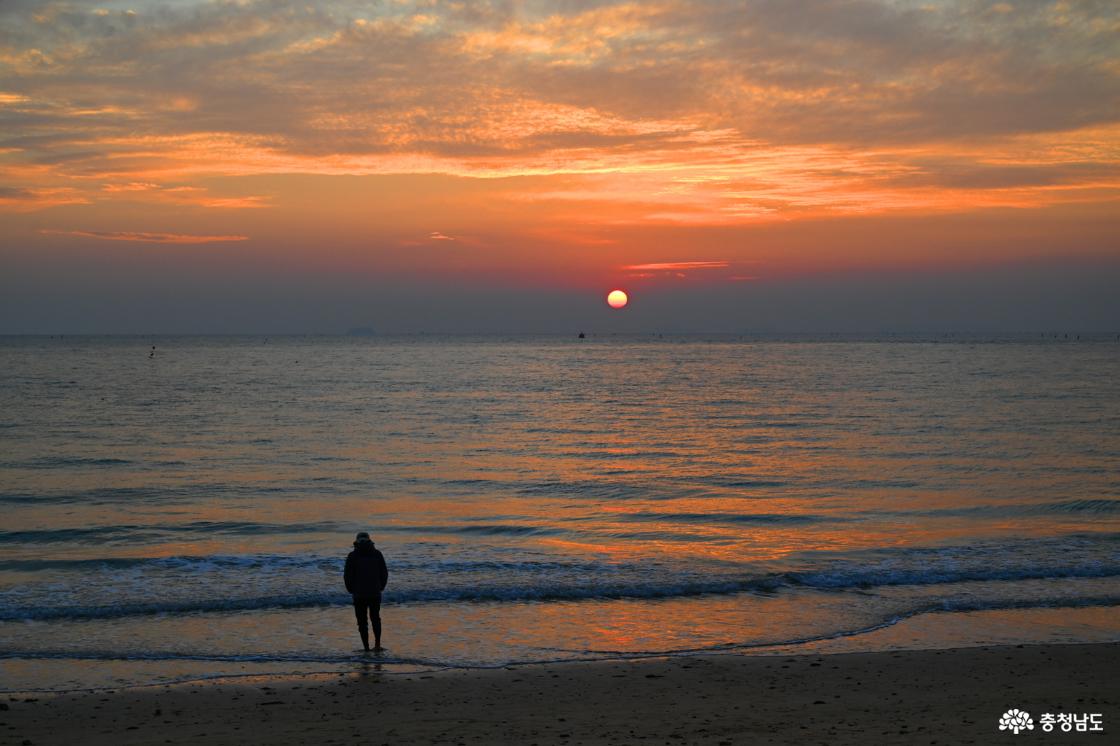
(55, 462)
(586, 488)
(879, 577)
(1091, 506)
(751, 518)
(189, 564)
(534, 586)
(732, 482)
(485, 529)
(1076, 506)
(109, 495)
(475, 594)
(939, 607)
(141, 533)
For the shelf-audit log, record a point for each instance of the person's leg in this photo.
(375, 617)
(360, 613)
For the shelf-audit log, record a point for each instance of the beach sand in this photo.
(915, 697)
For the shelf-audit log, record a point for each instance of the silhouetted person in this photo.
(365, 577)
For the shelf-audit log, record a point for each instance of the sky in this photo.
(790, 166)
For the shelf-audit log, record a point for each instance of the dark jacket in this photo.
(366, 573)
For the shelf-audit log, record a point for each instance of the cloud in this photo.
(132, 186)
(715, 112)
(26, 199)
(437, 236)
(182, 195)
(687, 269)
(145, 237)
(675, 266)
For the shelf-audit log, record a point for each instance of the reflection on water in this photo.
(537, 498)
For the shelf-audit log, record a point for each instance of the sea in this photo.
(178, 507)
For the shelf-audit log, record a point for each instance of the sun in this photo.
(617, 299)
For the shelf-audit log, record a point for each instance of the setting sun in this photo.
(617, 299)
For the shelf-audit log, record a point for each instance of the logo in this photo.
(1016, 720)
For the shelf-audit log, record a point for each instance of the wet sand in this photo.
(914, 697)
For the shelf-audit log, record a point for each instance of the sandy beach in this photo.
(925, 697)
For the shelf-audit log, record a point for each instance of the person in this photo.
(366, 576)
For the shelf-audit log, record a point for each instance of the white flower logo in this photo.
(1016, 720)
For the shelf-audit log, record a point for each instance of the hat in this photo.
(362, 538)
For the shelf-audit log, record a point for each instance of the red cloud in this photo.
(675, 266)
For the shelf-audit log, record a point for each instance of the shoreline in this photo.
(938, 630)
(953, 695)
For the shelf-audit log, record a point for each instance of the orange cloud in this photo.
(145, 237)
(31, 198)
(573, 135)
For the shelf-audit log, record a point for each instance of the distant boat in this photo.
(361, 331)
(582, 335)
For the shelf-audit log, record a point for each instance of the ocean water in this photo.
(187, 513)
